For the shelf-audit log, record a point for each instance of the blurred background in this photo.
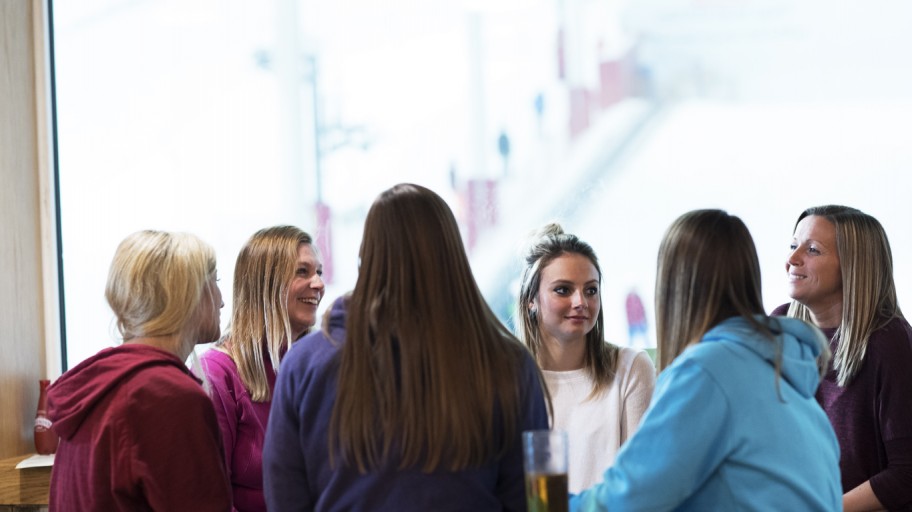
(220, 117)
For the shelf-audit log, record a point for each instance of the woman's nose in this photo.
(579, 300)
(792, 259)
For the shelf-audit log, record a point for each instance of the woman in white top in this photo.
(599, 390)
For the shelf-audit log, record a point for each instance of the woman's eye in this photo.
(592, 291)
(302, 271)
(813, 250)
(560, 290)
(793, 246)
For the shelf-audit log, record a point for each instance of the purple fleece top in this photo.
(296, 466)
(137, 433)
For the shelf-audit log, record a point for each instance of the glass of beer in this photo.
(545, 463)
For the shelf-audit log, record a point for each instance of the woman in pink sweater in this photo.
(277, 289)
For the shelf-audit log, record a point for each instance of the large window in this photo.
(612, 117)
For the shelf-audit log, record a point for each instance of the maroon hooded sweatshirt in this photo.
(137, 433)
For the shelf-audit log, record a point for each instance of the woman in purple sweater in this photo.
(840, 275)
(413, 396)
(277, 288)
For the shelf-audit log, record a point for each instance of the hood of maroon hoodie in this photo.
(76, 393)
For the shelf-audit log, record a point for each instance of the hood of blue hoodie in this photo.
(801, 343)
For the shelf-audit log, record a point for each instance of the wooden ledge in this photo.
(28, 486)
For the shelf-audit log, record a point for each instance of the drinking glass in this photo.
(545, 464)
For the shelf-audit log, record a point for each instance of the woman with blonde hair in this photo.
(840, 276)
(599, 390)
(277, 289)
(414, 395)
(733, 423)
(137, 430)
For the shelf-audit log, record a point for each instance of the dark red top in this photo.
(137, 433)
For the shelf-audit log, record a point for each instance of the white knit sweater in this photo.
(597, 427)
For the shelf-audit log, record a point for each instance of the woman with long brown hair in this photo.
(414, 395)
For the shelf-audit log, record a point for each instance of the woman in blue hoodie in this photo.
(733, 423)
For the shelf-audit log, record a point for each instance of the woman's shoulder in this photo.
(897, 326)
(517, 352)
(889, 354)
(781, 310)
(312, 351)
(712, 357)
(216, 358)
(221, 370)
(633, 360)
(894, 338)
(635, 372)
(167, 383)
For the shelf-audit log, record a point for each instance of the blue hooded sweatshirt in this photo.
(723, 434)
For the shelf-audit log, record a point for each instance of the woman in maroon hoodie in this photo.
(137, 430)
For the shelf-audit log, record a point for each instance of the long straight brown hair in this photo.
(428, 373)
(708, 271)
